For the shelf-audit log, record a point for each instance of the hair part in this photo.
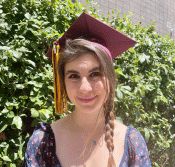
(73, 50)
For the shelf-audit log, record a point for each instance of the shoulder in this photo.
(41, 146)
(136, 148)
(135, 137)
(61, 125)
(41, 132)
(119, 126)
(120, 130)
(41, 138)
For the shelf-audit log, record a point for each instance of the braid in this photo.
(109, 122)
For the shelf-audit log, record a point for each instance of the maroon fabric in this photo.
(104, 48)
(90, 28)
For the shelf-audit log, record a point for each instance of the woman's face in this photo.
(84, 85)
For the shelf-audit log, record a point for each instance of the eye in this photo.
(74, 76)
(95, 74)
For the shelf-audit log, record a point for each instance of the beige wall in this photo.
(162, 11)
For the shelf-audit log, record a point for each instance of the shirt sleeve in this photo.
(137, 150)
(40, 149)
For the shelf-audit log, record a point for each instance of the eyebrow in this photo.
(76, 72)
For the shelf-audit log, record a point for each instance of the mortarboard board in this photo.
(87, 27)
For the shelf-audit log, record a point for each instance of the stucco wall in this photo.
(162, 11)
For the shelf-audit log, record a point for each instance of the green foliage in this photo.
(28, 29)
(145, 93)
(146, 76)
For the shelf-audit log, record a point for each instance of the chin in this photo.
(88, 109)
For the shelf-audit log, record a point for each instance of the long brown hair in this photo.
(73, 50)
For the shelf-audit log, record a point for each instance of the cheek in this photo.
(71, 88)
(100, 86)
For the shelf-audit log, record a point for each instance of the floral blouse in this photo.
(41, 151)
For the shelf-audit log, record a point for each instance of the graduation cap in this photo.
(87, 27)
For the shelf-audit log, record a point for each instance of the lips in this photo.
(86, 100)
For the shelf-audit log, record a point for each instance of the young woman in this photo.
(89, 136)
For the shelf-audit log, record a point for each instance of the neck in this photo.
(86, 122)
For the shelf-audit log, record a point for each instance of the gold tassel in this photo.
(59, 96)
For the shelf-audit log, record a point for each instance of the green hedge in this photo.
(145, 94)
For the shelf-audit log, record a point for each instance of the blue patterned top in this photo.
(41, 150)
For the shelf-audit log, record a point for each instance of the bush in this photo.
(146, 76)
(28, 28)
(145, 94)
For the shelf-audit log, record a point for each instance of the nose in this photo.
(85, 86)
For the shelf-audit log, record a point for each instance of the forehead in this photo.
(84, 62)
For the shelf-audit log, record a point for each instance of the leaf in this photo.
(39, 84)
(119, 119)
(137, 103)
(19, 86)
(119, 94)
(46, 112)
(43, 111)
(149, 41)
(142, 58)
(4, 48)
(12, 165)
(87, 2)
(27, 15)
(34, 113)
(3, 128)
(23, 49)
(2, 81)
(42, 116)
(15, 156)
(10, 114)
(172, 136)
(32, 82)
(23, 115)
(137, 113)
(34, 122)
(5, 110)
(17, 121)
(149, 87)
(120, 72)
(6, 158)
(17, 54)
(31, 62)
(147, 134)
(127, 88)
(24, 97)
(165, 69)
(39, 102)
(127, 114)
(20, 154)
(115, 99)
(51, 87)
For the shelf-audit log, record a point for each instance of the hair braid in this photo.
(109, 121)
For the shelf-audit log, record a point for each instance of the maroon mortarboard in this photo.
(90, 28)
(87, 27)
